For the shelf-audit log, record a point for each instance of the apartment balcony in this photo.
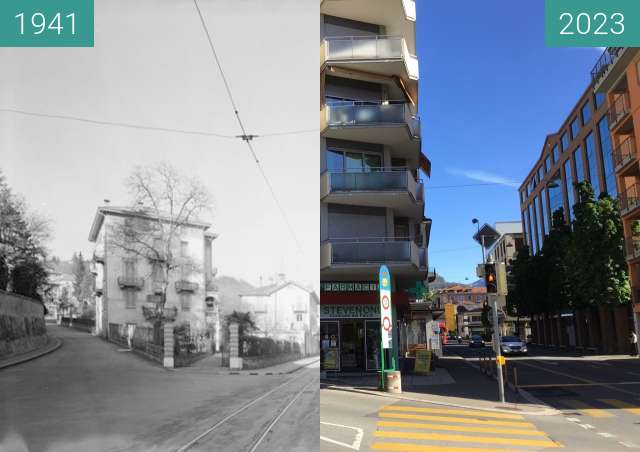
(610, 66)
(383, 55)
(395, 188)
(387, 122)
(186, 286)
(632, 249)
(625, 154)
(130, 282)
(211, 288)
(620, 114)
(363, 257)
(630, 200)
(99, 255)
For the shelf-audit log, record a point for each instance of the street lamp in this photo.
(477, 223)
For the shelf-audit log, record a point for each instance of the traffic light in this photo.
(490, 278)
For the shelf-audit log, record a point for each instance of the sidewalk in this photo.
(468, 388)
(53, 344)
(212, 367)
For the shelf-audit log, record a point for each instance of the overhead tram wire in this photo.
(143, 127)
(246, 137)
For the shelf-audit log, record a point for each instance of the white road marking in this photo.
(629, 444)
(587, 426)
(606, 435)
(574, 419)
(356, 442)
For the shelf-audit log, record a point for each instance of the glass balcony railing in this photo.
(364, 47)
(625, 152)
(374, 179)
(358, 113)
(630, 199)
(619, 109)
(373, 251)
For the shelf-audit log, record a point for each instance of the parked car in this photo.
(476, 341)
(512, 345)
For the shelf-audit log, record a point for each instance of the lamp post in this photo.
(477, 223)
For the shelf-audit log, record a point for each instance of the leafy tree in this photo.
(28, 276)
(246, 324)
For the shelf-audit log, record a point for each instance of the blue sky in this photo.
(490, 91)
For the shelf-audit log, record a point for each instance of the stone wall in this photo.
(22, 325)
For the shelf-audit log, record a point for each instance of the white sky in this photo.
(151, 65)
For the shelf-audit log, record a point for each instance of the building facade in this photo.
(616, 75)
(285, 311)
(510, 240)
(372, 198)
(127, 282)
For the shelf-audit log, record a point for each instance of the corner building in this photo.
(616, 75)
(372, 197)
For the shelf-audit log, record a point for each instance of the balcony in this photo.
(98, 255)
(186, 286)
(632, 249)
(610, 66)
(384, 55)
(395, 188)
(619, 114)
(211, 287)
(364, 256)
(130, 282)
(630, 200)
(385, 122)
(625, 153)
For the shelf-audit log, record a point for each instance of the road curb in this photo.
(545, 412)
(253, 372)
(52, 346)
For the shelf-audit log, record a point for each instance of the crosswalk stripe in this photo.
(584, 408)
(622, 405)
(407, 447)
(452, 411)
(459, 420)
(461, 428)
(466, 438)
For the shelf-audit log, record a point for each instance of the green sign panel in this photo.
(349, 311)
(46, 23)
(592, 23)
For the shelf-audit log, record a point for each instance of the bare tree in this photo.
(164, 202)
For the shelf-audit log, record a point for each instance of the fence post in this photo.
(235, 361)
(167, 360)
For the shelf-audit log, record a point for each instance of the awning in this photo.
(425, 165)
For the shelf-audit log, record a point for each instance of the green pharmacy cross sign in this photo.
(419, 291)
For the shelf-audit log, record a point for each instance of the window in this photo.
(353, 161)
(577, 155)
(545, 211)
(299, 317)
(586, 112)
(554, 188)
(556, 153)
(527, 232)
(533, 224)
(575, 128)
(599, 99)
(540, 173)
(185, 301)
(565, 141)
(130, 298)
(547, 164)
(542, 226)
(592, 163)
(568, 178)
(607, 157)
(184, 249)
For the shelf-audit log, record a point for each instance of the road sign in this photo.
(386, 321)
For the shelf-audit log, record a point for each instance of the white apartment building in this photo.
(372, 199)
(285, 311)
(126, 282)
(506, 239)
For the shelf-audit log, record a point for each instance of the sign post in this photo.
(386, 322)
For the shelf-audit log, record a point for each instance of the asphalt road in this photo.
(599, 397)
(90, 395)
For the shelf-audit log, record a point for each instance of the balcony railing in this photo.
(630, 199)
(211, 286)
(130, 282)
(380, 113)
(625, 152)
(372, 251)
(374, 179)
(607, 58)
(98, 255)
(632, 249)
(186, 286)
(619, 109)
(371, 48)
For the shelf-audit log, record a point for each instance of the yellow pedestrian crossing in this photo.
(634, 409)
(585, 409)
(403, 429)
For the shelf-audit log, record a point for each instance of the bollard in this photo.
(515, 377)
(393, 381)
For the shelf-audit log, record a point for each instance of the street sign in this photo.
(386, 321)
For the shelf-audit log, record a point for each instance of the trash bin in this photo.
(393, 381)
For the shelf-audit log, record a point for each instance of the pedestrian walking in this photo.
(633, 341)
